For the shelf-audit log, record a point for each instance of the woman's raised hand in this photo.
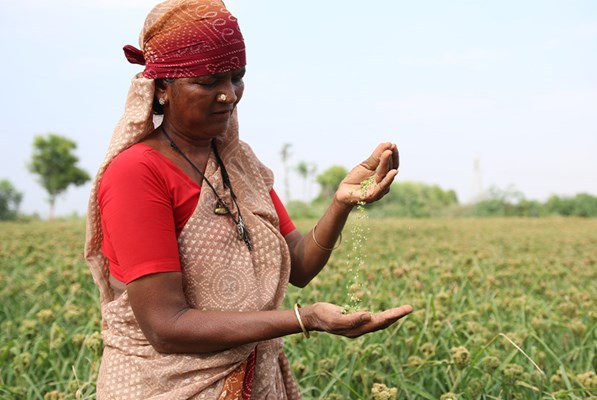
(370, 180)
(330, 318)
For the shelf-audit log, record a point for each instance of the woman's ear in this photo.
(160, 88)
(160, 95)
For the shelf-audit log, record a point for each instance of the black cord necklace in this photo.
(221, 207)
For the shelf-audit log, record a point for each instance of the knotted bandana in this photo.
(184, 38)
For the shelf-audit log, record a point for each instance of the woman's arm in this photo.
(310, 253)
(172, 326)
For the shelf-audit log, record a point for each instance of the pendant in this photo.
(220, 209)
(243, 233)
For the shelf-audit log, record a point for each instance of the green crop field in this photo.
(504, 309)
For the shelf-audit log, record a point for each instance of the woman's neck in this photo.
(191, 145)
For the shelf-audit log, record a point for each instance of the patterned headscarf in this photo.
(185, 38)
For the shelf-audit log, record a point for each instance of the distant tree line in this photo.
(499, 204)
(420, 200)
(54, 163)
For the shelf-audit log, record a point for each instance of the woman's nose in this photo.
(228, 89)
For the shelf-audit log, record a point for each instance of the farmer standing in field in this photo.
(187, 240)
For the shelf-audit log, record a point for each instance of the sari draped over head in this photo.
(218, 270)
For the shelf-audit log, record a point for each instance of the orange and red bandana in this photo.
(191, 38)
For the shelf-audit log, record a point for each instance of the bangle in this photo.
(300, 321)
(326, 248)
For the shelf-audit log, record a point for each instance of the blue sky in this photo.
(510, 83)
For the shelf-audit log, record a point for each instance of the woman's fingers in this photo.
(388, 179)
(381, 320)
(395, 157)
(372, 162)
(385, 156)
(385, 164)
(388, 317)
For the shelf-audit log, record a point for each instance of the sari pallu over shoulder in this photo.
(219, 273)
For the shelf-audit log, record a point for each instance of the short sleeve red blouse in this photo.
(145, 200)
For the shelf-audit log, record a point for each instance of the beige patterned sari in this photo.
(219, 273)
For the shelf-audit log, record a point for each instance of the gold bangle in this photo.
(300, 321)
(326, 248)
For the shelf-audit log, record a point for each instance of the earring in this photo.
(222, 97)
(162, 101)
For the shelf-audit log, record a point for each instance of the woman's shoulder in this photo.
(136, 159)
(138, 162)
(138, 153)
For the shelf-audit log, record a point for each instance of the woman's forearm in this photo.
(172, 326)
(367, 182)
(222, 330)
(311, 252)
(196, 331)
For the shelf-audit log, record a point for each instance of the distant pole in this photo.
(477, 186)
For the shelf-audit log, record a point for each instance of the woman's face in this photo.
(192, 104)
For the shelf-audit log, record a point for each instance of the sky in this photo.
(509, 84)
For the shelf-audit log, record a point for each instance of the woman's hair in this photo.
(161, 83)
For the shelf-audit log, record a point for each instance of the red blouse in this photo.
(145, 200)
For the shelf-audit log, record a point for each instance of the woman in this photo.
(187, 240)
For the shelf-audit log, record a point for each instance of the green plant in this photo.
(517, 293)
(56, 166)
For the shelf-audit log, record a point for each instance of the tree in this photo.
(585, 205)
(55, 164)
(499, 202)
(306, 171)
(530, 208)
(330, 179)
(10, 200)
(414, 199)
(581, 205)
